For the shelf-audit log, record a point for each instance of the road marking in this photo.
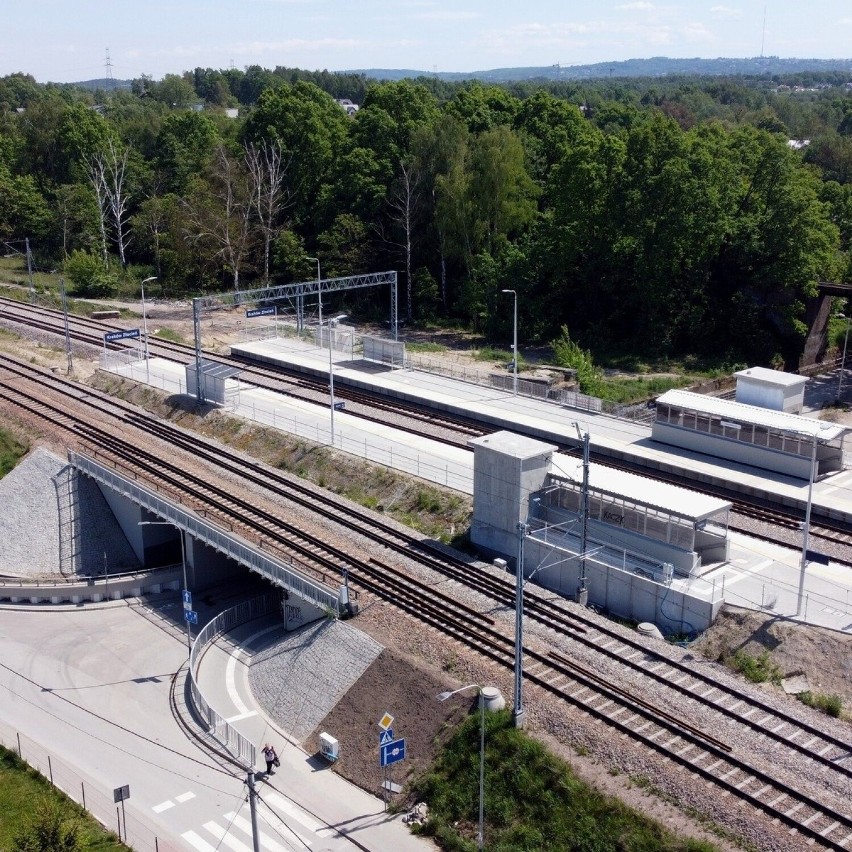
(185, 797)
(200, 844)
(279, 802)
(163, 806)
(266, 842)
(224, 837)
(246, 715)
(231, 680)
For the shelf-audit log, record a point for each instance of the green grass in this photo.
(25, 796)
(11, 452)
(532, 800)
(832, 705)
(168, 334)
(757, 669)
(425, 347)
(626, 390)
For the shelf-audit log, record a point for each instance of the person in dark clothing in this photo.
(271, 759)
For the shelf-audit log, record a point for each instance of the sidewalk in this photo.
(306, 780)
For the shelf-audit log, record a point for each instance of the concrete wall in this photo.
(507, 469)
(622, 593)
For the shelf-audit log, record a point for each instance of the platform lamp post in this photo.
(480, 837)
(843, 360)
(514, 341)
(183, 563)
(145, 326)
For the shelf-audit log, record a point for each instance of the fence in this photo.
(442, 472)
(241, 748)
(94, 797)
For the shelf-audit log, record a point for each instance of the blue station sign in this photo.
(128, 333)
(260, 312)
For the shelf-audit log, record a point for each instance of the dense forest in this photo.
(658, 216)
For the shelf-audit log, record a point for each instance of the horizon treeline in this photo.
(654, 217)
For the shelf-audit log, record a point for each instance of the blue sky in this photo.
(67, 40)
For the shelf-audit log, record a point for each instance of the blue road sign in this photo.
(187, 596)
(121, 335)
(190, 616)
(260, 312)
(391, 752)
(386, 737)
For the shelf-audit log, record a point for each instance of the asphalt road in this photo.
(91, 687)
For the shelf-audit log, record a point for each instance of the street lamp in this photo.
(480, 837)
(843, 360)
(145, 325)
(515, 340)
(183, 563)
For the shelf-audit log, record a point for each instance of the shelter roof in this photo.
(670, 499)
(739, 412)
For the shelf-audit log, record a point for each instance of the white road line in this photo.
(184, 797)
(200, 844)
(280, 803)
(224, 837)
(281, 826)
(163, 806)
(247, 715)
(230, 675)
(267, 842)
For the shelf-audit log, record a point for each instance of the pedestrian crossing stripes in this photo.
(283, 826)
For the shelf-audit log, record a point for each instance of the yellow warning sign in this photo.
(386, 721)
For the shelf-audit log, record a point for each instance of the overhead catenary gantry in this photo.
(296, 292)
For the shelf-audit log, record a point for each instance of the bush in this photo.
(89, 276)
(832, 705)
(568, 354)
(48, 830)
(756, 669)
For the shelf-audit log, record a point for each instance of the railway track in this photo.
(702, 752)
(420, 420)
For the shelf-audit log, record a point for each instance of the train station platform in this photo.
(758, 575)
(619, 439)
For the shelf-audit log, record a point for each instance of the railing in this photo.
(242, 749)
(221, 540)
(449, 474)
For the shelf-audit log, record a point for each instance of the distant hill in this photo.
(658, 66)
(104, 83)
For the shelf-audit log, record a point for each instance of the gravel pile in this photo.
(51, 526)
(300, 678)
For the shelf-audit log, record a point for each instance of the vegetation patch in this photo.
(759, 669)
(556, 810)
(45, 820)
(831, 705)
(12, 450)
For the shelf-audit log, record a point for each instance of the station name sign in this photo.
(121, 335)
(260, 312)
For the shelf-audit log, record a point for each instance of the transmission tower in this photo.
(109, 77)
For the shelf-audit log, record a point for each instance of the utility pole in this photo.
(583, 591)
(255, 836)
(30, 270)
(518, 710)
(67, 333)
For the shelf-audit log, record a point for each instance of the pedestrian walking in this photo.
(271, 759)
